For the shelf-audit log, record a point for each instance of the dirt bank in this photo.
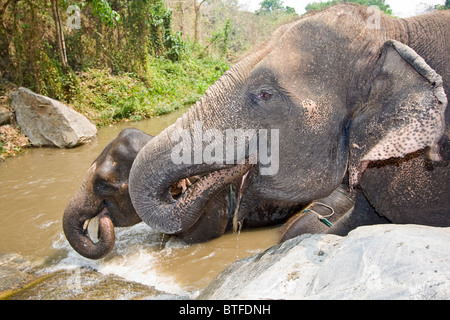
(12, 140)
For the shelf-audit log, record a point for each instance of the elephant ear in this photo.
(404, 112)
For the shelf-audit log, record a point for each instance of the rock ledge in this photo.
(372, 262)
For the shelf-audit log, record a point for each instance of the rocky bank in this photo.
(373, 262)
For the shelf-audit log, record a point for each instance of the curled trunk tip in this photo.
(80, 241)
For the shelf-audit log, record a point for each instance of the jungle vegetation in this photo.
(130, 59)
(125, 59)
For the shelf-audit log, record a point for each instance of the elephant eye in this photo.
(265, 95)
(104, 187)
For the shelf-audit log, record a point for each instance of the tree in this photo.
(197, 6)
(274, 6)
(290, 10)
(443, 6)
(103, 10)
(314, 6)
(270, 6)
(59, 34)
(182, 20)
(100, 8)
(40, 50)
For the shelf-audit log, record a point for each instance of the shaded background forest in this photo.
(130, 59)
(125, 58)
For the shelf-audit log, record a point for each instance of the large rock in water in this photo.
(48, 122)
(373, 262)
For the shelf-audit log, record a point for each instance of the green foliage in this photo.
(270, 6)
(172, 85)
(443, 6)
(120, 35)
(126, 60)
(160, 27)
(102, 9)
(163, 40)
(146, 30)
(314, 6)
(245, 29)
(70, 86)
(290, 10)
(274, 6)
(226, 37)
(175, 46)
(221, 39)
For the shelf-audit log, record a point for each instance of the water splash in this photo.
(238, 232)
(136, 257)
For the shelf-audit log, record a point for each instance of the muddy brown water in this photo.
(35, 188)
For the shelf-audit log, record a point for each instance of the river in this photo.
(36, 186)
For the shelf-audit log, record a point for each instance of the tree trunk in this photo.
(5, 40)
(182, 22)
(59, 34)
(197, 18)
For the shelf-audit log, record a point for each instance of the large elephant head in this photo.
(104, 195)
(331, 93)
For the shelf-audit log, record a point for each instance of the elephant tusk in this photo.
(91, 226)
(86, 224)
(246, 178)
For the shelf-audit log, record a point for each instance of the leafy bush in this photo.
(314, 6)
(169, 85)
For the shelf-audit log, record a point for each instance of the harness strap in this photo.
(322, 219)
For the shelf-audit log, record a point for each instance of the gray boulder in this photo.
(48, 122)
(372, 262)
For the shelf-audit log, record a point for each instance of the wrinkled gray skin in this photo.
(103, 201)
(104, 195)
(349, 101)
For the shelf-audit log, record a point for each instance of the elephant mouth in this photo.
(175, 205)
(94, 237)
(197, 186)
(91, 227)
(179, 188)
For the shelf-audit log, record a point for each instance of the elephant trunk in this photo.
(154, 175)
(80, 209)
